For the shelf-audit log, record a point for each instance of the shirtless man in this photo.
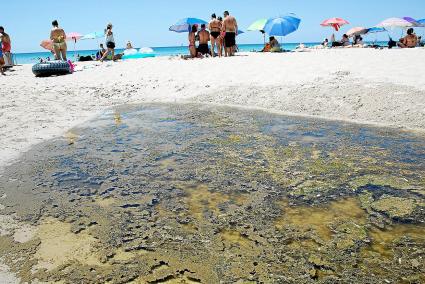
(215, 28)
(58, 36)
(204, 38)
(230, 27)
(409, 41)
(6, 47)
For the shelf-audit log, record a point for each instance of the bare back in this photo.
(57, 35)
(411, 40)
(214, 26)
(204, 37)
(230, 24)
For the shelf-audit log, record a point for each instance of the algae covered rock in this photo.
(395, 207)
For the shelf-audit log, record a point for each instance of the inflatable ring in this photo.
(51, 68)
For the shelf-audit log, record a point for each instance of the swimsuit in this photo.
(6, 47)
(230, 39)
(59, 45)
(203, 48)
(110, 41)
(215, 34)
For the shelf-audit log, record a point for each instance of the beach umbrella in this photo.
(240, 32)
(413, 21)
(74, 37)
(47, 44)
(282, 26)
(357, 31)
(375, 30)
(421, 21)
(184, 25)
(94, 35)
(395, 23)
(336, 23)
(259, 27)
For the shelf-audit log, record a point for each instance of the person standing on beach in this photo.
(192, 42)
(110, 43)
(204, 38)
(220, 40)
(215, 29)
(6, 46)
(1, 62)
(58, 36)
(230, 27)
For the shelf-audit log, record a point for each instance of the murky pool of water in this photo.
(197, 194)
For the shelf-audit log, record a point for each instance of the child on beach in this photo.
(110, 43)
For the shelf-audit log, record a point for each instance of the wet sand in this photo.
(365, 86)
(176, 193)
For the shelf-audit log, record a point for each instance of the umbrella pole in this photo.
(75, 53)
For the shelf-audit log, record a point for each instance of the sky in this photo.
(145, 23)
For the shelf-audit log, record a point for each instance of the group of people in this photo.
(5, 49)
(58, 38)
(411, 40)
(222, 35)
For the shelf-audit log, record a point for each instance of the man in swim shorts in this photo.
(215, 29)
(204, 38)
(230, 27)
(6, 47)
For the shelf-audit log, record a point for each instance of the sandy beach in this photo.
(381, 87)
(365, 86)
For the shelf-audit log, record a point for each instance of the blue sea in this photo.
(31, 58)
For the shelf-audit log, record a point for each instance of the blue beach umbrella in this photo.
(184, 25)
(94, 35)
(282, 26)
(421, 21)
(375, 30)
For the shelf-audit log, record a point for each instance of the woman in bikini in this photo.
(215, 28)
(192, 40)
(58, 36)
(220, 40)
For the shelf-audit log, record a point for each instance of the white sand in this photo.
(381, 87)
(384, 87)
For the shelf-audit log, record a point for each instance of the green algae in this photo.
(164, 194)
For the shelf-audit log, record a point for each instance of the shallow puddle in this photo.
(196, 194)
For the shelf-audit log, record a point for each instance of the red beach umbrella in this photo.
(336, 23)
(74, 37)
